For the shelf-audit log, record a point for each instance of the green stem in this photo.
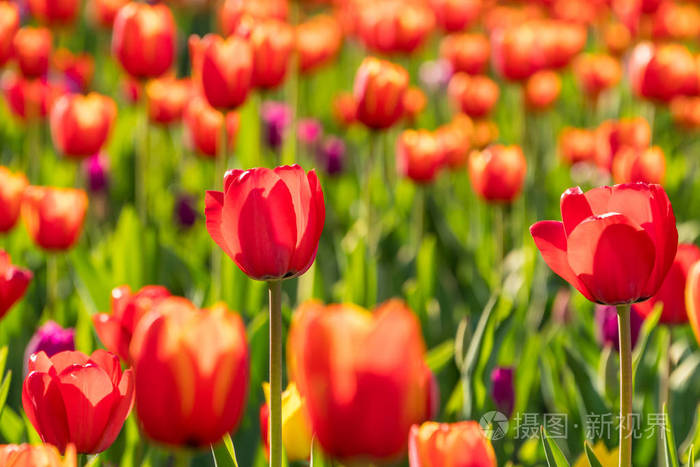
(51, 284)
(664, 383)
(142, 165)
(419, 216)
(275, 373)
(500, 239)
(181, 458)
(219, 170)
(34, 149)
(626, 385)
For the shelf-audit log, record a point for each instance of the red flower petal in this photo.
(120, 411)
(43, 404)
(574, 208)
(213, 211)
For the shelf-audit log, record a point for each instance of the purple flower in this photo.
(331, 155)
(51, 338)
(309, 131)
(96, 169)
(435, 74)
(502, 391)
(276, 117)
(185, 213)
(606, 325)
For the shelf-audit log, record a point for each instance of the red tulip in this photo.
(596, 73)
(671, 294)
(115, 330)
(461, 444)
(419, 155)
(473, 95)
(379, 89)
(615, 244)
(455, 140)
(268, 221)
(11, 189)
(167, 99)
(345, 109)
(233, 11)
(29, 99)
(78, 399)
(466, 52)
(632, 165)
(455, 15)
(13, 283)
(81, 124)
(203, 125)
(362, 375)
(662, 72)
(541, 90)
(42, 455)
(32, 48)
(394, 26)
(272, 42)
(76, 68)
(191, 369)
(227, 70)
(143, 39)
(55, 12)
(498, 172)
(414, 102)
(318, 41)
(611, 136)
(105, 11)
(685, 112)
(9, 25)
(692, 298)
(577, 145)
(54, 216)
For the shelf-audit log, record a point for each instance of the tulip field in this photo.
(349, 233)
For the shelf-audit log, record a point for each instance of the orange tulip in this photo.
(55, 12)
(685, 112)
(485, 133)
(632, 165)
(419, 155)
(597, 72)
(167, 98)
(42, 455)
(143, 39)
(663, 72)
(81, 124)
(455, 140)
(455, 15)
(105, 11)
(676, 21)
(461, 444)
(498, 172)
(345, 109)
(32, 50)
(414, 102)
(12, 187)
(318, 41)
(233, 11)
(54, 216)
(272, 42)
(692, 299)
(379, 92)
(203, 124)
(577, 145)
(473, 95)
(226, 70)
(393, 26)
(542, 89)
(363, 377)
(191, 370)
(466, 52)
(9, 25)
(611, 136)
(617, 37)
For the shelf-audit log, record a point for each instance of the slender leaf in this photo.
(3, 359)
(691, 456)
(224, 453)
(4, 389)
(555, 458)
(643, 340)
(670, 441)
(590, 455)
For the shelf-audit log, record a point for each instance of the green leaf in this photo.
(224, 453)
(4, 389)
(440, 355)
(670, 442)
(590, 455)
(555, 458)
(643, 340)
(93, 461)
(318, 458)
(691, 456)
(593, 400)
(3, 359)
(11, 426)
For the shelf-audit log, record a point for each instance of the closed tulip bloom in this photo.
(676, 21)
(617, 38)
(607, 330)
(485, 133)
(331, 155)
(268, 221)
(143, 39)
(32, 48)
(79, 399)
(203, 124)
(514, 52)
(391, 26)
(455, 140)
(9, 25)
(615, 244)
(272, 42)
(227, 70)
(497, 173)
(466, 52)
(104, 12)
(663, 72)
(672, 292)
(191, 369)
(502, 389)
(455, 15)
(461, 444)
(233, 11)
(611, 136)
(296, 429)
(42, 455)
(542, 89)
(318, 41)
(54, 216)
(419, 155)
(577, 145)
(11, 189)
(55, 12)
(692, 298)
(596, 73)
(51, 339)
(685, 112)
(473, 95)
(631, 165)
(29, 99)
(81, 124)
(363, 377)
(13, 283)
(167, 98)
(379, 89)
(559, 41)
(116, 329)
(345, 109)
(414, 102)
(77, 69)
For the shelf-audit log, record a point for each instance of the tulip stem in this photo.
(219, 170)
(51, 284)
(141, 178)
(275, 373)
(626, 382)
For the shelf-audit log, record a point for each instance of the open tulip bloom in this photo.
(615, 245)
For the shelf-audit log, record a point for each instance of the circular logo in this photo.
(494, 424)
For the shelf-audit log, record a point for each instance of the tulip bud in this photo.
(577, 145)
(663, 72)
(379, 89)
(466, 52)
(272, 42)
(596, 73)
(345, 109)
(232, 12)
(485, 133)
(392, 26)
(318, 41)
(617, 37)
(227, 70)
(81, 124)
(51, 339)
(459, 444)
(676, 21)
(12, 187)
(607, 330)
(473, 95)
(611, 136)
(309, 131)
(77, 69)
(685, 112)
(104, 12)
(32, 48)
(455, 140)
(143, 39)
(497, 173)
(276, 117)
(296, 429)
(541, 90)
(185, 213)
(167, 98)
(13, 283)
(29, 99)
(455, 15)
(414, 102)
(9, 25)
(203, 124)
(331, 155)
(631, 165)
(419, 155)
(54, 216)
(96, 169)
(55, 12)
(503, 390)
(42, 455)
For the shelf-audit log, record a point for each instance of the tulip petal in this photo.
(598, 199)
(574, 208)
(121, 409)
(213, 211)
(44, 406)
(550, 239)
(109, 363)
(109, 330)
(613, 257)
(39, 362)
(67, 358)
(692, 299)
